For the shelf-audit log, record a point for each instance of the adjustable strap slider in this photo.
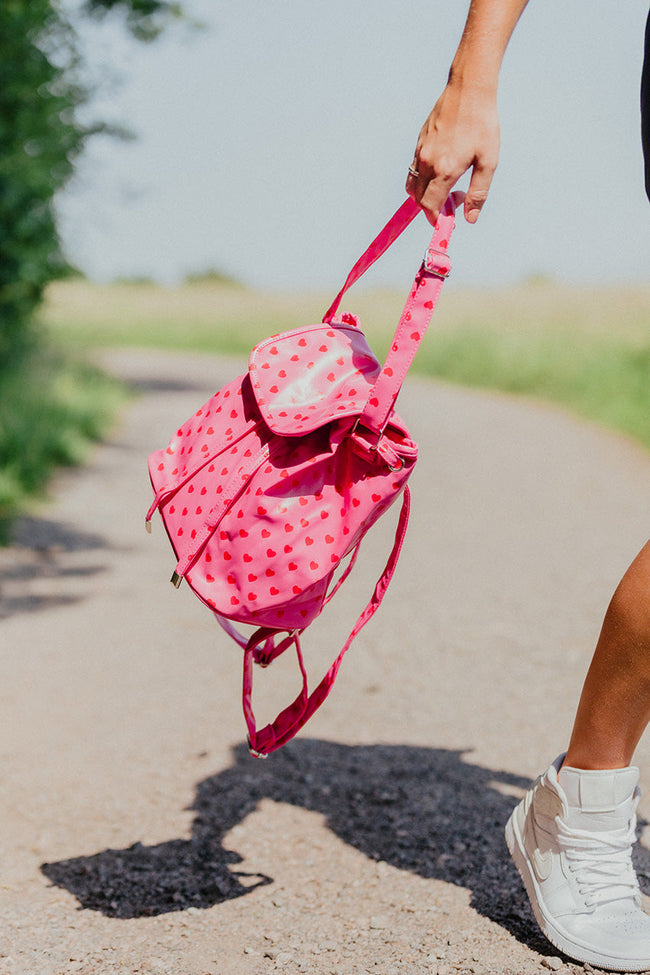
(437, 262)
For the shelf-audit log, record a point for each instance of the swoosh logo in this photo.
(542, 862)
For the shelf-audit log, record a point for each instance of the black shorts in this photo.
(645, 107)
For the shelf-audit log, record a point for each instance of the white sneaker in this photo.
(571, 840)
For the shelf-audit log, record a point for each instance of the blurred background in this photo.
(196, 174)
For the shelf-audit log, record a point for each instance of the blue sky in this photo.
(274, 144)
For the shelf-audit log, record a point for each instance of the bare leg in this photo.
(614, 706)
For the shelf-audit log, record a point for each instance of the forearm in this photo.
(462, 131)
(488, 29)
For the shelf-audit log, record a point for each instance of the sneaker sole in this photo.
(545, 921)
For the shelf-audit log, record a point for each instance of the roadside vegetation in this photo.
(51, 405)
(54, 406)
(585, 349)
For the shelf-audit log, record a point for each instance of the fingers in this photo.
(477, 191)
(429, 192)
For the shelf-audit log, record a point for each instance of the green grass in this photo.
(587, 349)
(53, 406)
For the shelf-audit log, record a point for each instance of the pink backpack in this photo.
(276, 479)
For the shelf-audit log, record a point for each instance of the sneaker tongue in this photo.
(598, 799)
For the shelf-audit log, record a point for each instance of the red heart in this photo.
(329, 539)
(303, 501)
(266, 533)
(288, 527)
(234, 601)
(356, 502)
(376, 497)
(302, 342)
(161, 467)
(252, 596)
(227, 556)
(199, 510)
(273, 351)
(309, 541)
(415, 336)
(243, 533)
(270, 553)
(251, 577)
(288, 549)
(247, 557)
(231, 579)
(313, 565)
(223, 536)
(324, 514)
(297, 590)
(292, 567)
(261, 511)
(274, 591)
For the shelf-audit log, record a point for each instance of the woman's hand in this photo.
(461, 133)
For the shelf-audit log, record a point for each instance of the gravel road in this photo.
(138, 836)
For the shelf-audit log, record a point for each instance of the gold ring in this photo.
(413, 171)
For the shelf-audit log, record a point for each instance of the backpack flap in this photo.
(308, 377)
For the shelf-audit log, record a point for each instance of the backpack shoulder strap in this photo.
(292, 719)
(418, 310)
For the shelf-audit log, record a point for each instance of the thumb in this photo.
(477, 191)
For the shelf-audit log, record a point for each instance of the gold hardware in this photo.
(147, 525)
(176, 580)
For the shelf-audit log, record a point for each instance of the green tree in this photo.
(41, 90)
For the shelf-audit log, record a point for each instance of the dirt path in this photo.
(139, 837)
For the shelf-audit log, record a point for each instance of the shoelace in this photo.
(601, 862)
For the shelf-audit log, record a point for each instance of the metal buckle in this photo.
(369, 446)
(253, 752)
(439, 272)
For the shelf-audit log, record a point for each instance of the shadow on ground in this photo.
(35, 556)
(419, 809)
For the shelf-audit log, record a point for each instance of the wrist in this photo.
(474, 74)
